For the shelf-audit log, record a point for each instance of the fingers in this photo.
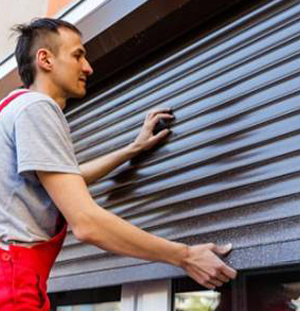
(162, 116)
(154, 120)
(202, 279)
(222, 249)
(215, 282)
(155, 115)
(161, 135)
(158, 137)
(222, 275)
(152, 113)
(224, 278)
(222, 272)
(152, 132)
(210, 280)
(205, 279)
(229, 272)
(206, 267)
(215, 276)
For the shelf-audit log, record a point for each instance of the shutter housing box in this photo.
(228, 173)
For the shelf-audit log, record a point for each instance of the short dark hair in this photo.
(32, 37)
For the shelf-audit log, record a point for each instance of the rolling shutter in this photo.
(229, 172)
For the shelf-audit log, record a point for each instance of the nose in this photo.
(87, 68)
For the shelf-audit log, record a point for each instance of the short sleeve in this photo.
(43, 140)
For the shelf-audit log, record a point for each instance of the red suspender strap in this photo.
(10, 98)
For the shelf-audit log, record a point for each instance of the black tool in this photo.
(162, 124)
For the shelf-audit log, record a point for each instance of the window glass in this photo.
(189, 296)
(197, 301)
(107, 306)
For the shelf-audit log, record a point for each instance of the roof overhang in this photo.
(149, 26)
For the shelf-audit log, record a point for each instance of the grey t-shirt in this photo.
(34, 136)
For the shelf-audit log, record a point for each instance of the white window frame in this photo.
(147, 296)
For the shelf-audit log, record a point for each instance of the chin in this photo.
(78, 94)
(82, 94)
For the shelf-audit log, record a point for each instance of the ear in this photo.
(44, 59)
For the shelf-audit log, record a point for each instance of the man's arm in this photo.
(100, 167)
(93, 224)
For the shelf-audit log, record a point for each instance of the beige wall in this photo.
(13, 12)
(22, 11)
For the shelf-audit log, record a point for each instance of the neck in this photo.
(51, 91)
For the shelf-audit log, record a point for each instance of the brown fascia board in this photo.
(151, 25)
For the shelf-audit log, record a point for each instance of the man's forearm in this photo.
(114, 234)
(95, 225)
(101, 166)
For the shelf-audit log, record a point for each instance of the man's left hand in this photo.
(146, 139)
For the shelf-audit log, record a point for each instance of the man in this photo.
(40, 178)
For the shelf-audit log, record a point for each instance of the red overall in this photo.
(24, 271)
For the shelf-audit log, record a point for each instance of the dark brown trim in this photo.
(150, 26)
(84, 296)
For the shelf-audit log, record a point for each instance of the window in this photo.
(189, 296)
(138, 296)
(194, 301)
(276, 289)
(105, 306)
(101, 299)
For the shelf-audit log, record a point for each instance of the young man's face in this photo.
(70, 67)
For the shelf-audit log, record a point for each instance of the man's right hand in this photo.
(93, 224)
(205, 267)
